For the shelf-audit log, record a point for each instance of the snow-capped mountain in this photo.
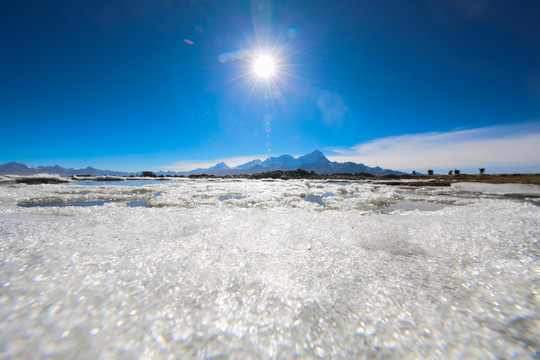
(314, 161)
(219, 166)
(248, 165)
(280, 163)
(17, 168)
(216, 168)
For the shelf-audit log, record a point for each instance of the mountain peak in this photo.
(220, 166)
(250, 164)
(314, 157)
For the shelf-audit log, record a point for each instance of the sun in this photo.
(264, 66)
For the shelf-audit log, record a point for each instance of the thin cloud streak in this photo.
(333, 108)
(515, 148)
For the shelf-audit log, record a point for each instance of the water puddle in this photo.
(65, 203)
(230, 197)
(120, 182)
(318, 199)
(414, 205)
(137, 203)
(134, 203)
(101, 183)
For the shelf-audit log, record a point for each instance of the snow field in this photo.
(264, 273)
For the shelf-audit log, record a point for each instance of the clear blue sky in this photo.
(132, 85)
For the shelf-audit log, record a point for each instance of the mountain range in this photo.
(17, 168)
(314, 161)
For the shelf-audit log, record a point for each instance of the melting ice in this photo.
(283, 269)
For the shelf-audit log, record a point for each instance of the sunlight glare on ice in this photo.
(245, 268)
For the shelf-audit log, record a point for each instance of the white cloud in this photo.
(196, 164)
(510, 148)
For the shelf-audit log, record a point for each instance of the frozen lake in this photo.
(269, 269)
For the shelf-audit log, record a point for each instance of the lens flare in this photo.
(264, 66)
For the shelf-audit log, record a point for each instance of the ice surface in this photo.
(251, 269)
(503, 189)
(414, 205)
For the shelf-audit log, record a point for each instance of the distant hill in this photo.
(314, 161)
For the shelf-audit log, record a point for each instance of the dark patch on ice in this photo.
(35, 180)
(414, 205)
(523, 329)
(137, 203)
(64, 203)
(535, 202)
(517, 196)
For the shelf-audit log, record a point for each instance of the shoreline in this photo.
(392, 180)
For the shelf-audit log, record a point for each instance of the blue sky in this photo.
(133, 85)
